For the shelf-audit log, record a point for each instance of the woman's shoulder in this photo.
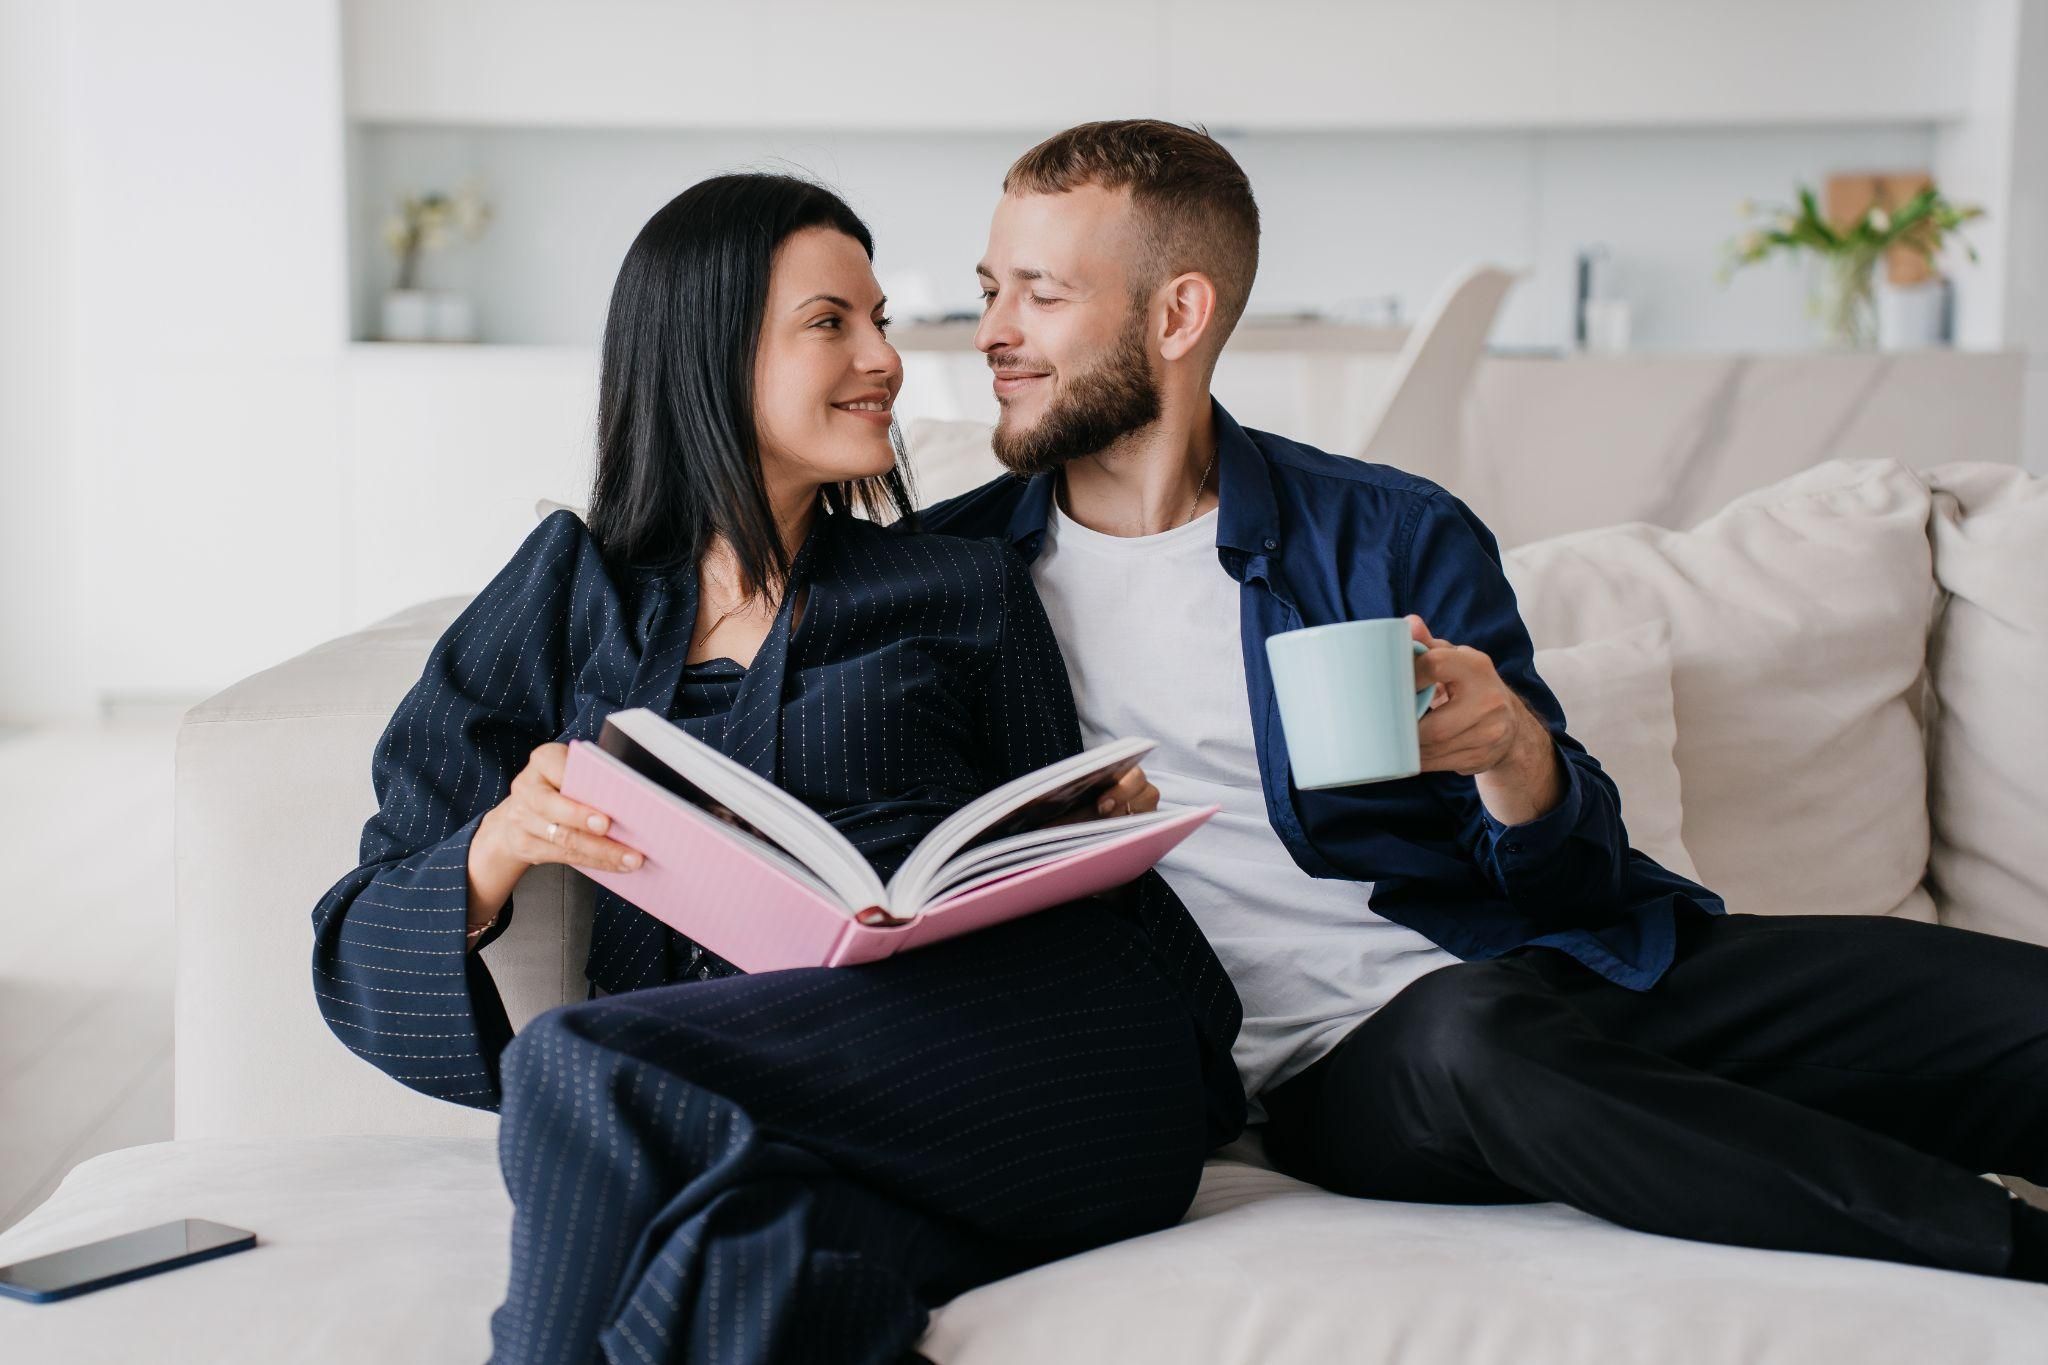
(555, 585)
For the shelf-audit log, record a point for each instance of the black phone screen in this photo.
(128, 1256)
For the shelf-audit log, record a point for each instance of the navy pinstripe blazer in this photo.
(923, 673)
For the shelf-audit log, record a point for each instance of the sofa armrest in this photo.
(272, 790)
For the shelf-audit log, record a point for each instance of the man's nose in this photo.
(996, 332)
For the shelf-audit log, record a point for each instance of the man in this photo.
(1461, 986)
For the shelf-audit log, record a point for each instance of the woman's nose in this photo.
(881, 360)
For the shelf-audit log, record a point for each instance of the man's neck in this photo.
(1146, 483)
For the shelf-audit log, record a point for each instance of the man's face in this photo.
(1067, 344)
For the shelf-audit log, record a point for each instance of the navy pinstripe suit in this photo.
(788, 1165)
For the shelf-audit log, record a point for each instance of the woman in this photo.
(708, 1164)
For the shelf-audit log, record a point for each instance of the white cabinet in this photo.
(884, 64)
(951, 65)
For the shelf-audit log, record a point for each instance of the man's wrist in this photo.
(1529, 782)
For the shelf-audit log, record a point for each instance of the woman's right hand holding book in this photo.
(536, 824)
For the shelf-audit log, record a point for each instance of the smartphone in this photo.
(111, 1260)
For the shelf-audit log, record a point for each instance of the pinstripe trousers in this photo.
(796, 1165)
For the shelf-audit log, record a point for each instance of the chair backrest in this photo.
(1418, 421)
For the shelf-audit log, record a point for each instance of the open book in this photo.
(756, 876)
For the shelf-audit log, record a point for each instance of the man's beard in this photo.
(1101, 406)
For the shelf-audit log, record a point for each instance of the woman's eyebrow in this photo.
(835, 301)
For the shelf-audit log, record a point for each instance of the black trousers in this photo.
(1820, 1083)
(796, 1165)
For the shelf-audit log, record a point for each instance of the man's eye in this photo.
(988, 296)
(1041, 300)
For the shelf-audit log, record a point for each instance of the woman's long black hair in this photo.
(678, 455)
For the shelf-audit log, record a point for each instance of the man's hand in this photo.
(1477, 726)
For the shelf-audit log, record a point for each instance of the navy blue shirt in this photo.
(1314, 538)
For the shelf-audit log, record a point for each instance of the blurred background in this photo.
(299, 304)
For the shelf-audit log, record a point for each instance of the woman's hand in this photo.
(536, 824)
(1132, 795)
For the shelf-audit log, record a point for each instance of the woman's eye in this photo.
(882, 324)
(1041, 300)
(826, 322)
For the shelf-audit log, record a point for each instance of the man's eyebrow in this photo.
(1019, 272)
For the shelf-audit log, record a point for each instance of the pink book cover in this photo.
(761, 918)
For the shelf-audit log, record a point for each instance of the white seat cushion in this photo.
(1271, 1270)
(392, 1249)
(395, 1249)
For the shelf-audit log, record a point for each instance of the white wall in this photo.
(208, 293)
(40, 554)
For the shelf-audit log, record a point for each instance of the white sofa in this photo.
(1828, 697)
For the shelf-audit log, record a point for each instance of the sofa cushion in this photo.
(1616, 695)
(1799, 617)
(396, 1250)
(1268, 1269)
(392, 1249)
(1988, 728)
(273, 787)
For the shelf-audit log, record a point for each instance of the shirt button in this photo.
(1511, 846)
(1272, 544)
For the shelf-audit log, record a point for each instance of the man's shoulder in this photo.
(977, 513)
(1298, 463)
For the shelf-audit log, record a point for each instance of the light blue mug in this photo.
(1348, 701)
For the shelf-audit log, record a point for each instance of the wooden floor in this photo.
(86, 949)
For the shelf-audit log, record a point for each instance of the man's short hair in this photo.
(1190, 195)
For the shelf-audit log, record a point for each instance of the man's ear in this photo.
(1190, 311)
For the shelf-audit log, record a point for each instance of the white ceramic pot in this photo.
(408, 315)
(454, 318)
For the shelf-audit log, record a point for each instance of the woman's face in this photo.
(825, 378)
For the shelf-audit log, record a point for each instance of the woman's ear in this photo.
(1190, 310)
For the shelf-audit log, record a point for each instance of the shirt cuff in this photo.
(1534, 841)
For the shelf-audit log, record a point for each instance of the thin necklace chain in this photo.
(1199, 487)
(719, 620)
(1211, 469)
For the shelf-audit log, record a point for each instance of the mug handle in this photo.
(1428, 694)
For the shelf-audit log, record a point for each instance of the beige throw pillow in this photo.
(1798, 618)
(1988, 728)
(1616, 695)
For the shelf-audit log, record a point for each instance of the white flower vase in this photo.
(1910, 317)
(454, 318)
(408, 315)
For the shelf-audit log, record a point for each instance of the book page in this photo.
(748, 800)
(1031, 801)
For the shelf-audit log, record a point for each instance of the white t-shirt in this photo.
(1150, 629)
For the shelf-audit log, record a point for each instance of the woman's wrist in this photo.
(491, 876)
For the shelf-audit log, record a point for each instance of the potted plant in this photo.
(424, 223)
(1843, 299)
